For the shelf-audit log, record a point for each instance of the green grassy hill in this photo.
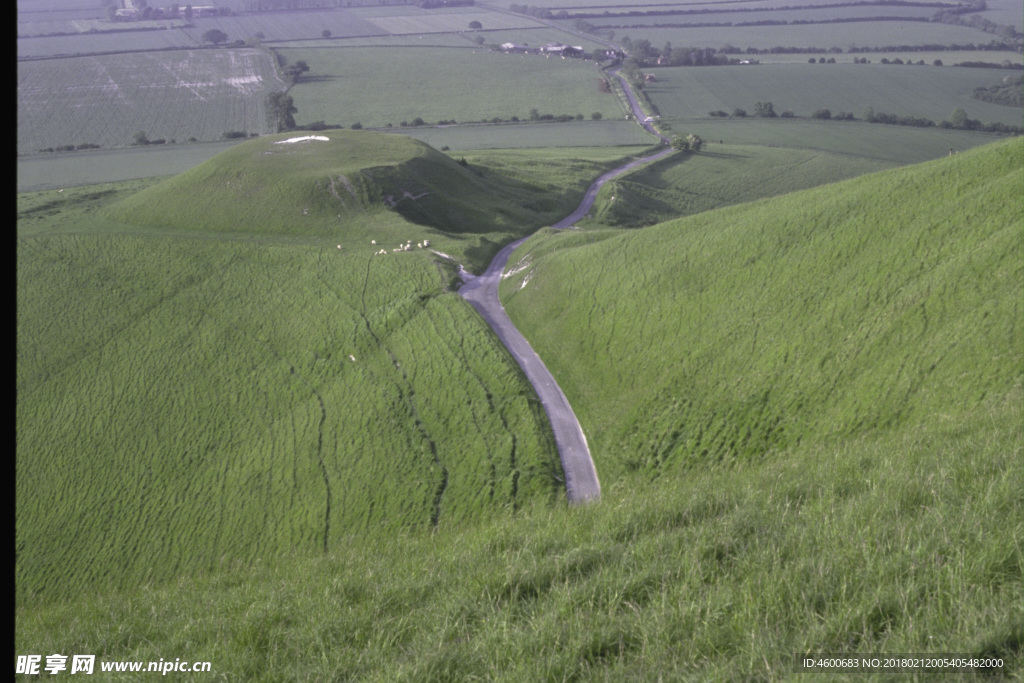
(806, 413)
(863, 306)
(356, 185)
(220, 367)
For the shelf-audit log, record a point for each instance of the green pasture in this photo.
(856, 308)
(923, 91)
(844, 35)
(91, 167)
(438, 84)
(897, 144)
(175, 95)
(725, 174)
(533, 135)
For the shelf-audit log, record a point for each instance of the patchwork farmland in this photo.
(105, 100)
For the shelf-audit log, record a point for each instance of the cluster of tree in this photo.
(959, 120)
(215, 36)
(1006, 32)
(691, 143)
(294, 71)
(1005, 64)
(822, 60)
(281, 109)
(538, 12)
(70, 148)
(1010, 92)
(237, 135)
(964, 7)
(146, 12)
(141, 139)
(644, 54)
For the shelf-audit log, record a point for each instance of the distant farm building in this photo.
(514, 47)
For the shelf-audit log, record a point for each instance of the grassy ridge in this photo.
(723, 175)
(852, 308)
(725, 574)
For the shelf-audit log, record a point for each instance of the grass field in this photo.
(893, 527)
(924, 91)
(844, 35)
(737, 366)
(439, 84)
(898, 144)
(177, 95)
(91, 167)
(725, 175)
(192, 374)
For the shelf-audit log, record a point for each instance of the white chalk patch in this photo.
(303, 139)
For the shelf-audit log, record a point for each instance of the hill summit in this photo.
(312, 184)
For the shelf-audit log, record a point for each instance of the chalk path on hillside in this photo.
(581, 482)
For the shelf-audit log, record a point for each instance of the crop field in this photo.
(844, 35)
(941, 274)
(426, 21)
(104, 100)
(924, 91)
(897, 144)
(278, 26)
(438, 84)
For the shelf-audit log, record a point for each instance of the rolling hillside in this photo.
(223, 367)
(859, 307)
(807, 415)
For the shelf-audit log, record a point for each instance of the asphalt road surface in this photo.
(581, 483)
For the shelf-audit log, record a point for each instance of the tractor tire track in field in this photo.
(408, 395)
(320, 429)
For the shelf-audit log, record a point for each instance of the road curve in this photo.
(481, 292)
(581, 482)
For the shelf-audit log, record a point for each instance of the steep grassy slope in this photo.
(901, 533)
(229, 371)
(901, 544)
(823, 315)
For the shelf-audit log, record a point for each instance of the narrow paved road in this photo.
(581, 483)
(481, 292)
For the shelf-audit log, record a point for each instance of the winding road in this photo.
(581, 482)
